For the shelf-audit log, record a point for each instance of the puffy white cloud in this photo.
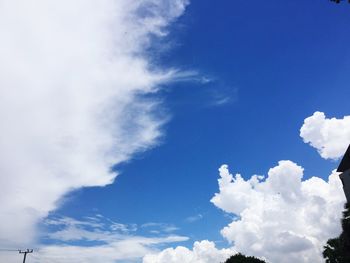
(281, 217)
(73, 76)
(330, 137)
(202, 252)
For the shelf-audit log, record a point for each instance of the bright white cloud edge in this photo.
(330, 136)
(202, 252)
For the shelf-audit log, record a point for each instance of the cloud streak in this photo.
(96, 239)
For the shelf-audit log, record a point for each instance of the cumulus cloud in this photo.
(281, 217)
(202, 252)
(330, 137)
(73, 76)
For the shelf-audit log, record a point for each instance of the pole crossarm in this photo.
(25, 252)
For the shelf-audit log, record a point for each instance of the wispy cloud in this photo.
(159, 227)
(89, 229)
(99, 239)
(194, 218)
(223, 95)
(176, 75)
(221, 100)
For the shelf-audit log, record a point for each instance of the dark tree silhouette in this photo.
(337, 250)
(239, 258)
(338, 1)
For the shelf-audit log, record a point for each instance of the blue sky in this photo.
(255, 71)
(276, 62)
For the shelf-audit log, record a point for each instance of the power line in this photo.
(8, 249)
(20, 251)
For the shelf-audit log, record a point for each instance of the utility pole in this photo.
(25, 252)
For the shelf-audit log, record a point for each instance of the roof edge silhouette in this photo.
(345, 162)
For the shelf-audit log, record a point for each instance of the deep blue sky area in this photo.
(270, 64)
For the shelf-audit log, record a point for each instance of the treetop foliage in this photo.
(337, 250)
(338, 1)
(239, 258)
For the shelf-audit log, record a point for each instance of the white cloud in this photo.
(95, 239)
(281, 217)
(90, 229)
(123, 249)
(330, 137)
(72, 78)
(202, 252)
